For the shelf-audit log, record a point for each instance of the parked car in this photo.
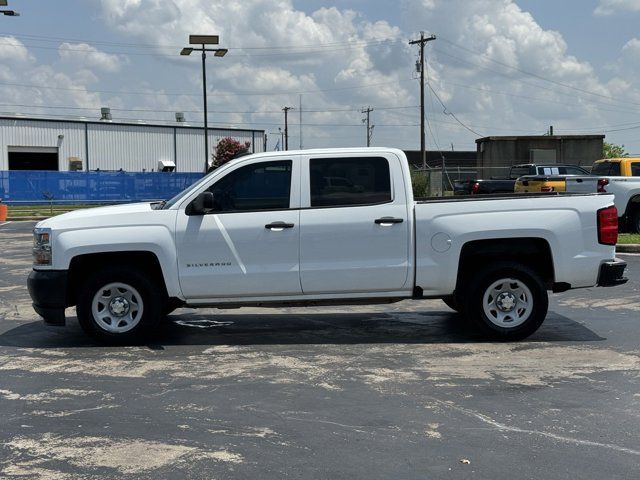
(623, 175)
(291, 239)
(507, 185)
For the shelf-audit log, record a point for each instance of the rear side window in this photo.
(343, 182)
(572, 171)
(635, 169)
(259, 186)
(521, 171)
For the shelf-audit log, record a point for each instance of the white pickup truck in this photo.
(336, 226)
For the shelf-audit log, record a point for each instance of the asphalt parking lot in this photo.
(400, 391)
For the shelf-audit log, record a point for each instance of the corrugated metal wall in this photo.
(130, 148)
(113, 146)
(33, 133)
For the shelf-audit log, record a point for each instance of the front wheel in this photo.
(507, 301)
(118, 305)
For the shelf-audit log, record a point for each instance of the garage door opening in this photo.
(33, 158)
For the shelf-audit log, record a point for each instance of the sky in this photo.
(497, 67)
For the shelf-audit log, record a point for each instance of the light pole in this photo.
(204, 40)
(8, 13)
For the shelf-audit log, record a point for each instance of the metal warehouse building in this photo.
(65, 145)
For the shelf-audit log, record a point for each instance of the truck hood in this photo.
(99, 216)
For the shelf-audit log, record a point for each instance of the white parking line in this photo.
(4, 223)
(628, 254)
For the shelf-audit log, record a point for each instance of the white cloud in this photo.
(13, 50)
(348, 60)
(610, 7)
(89, 56)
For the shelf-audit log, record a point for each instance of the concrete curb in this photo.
(628, 248)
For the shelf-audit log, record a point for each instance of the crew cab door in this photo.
(248, 245)
(354, 224)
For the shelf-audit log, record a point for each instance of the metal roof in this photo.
(128, 124)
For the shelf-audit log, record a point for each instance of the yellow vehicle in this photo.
(551, 179)
(540, 183)
(617, 167)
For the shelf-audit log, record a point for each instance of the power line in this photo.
(45, 38)
(218, 94)
(535, 75)
(297, 51)
(446, 111)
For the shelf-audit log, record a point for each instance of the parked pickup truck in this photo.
(623, 175)
(506, 185)
(269, 229)
(560, 183)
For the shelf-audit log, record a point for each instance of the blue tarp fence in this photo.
(22, 186)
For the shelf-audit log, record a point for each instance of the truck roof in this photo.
(319, 151)
(618, 160)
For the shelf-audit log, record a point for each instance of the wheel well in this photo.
(82, 265)
(634, 204)
(533, 252)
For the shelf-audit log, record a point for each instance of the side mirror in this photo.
(202, 204)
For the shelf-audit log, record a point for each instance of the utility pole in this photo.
(300, 117)
(367, 111)
(286, 126)
(422, 42)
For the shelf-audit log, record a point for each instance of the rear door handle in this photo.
(278, 226)
(388, 221)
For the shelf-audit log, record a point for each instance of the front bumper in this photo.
(612, 273)
(48, 290)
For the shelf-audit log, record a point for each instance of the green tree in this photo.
(227, 149)
(611, 150)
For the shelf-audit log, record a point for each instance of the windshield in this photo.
(172, 201)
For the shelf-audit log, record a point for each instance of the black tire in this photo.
(452, 302)
(481, 283)
(634, 221)
(150, 299)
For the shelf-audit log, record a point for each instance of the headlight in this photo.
(42, 246)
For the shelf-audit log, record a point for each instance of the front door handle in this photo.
(388, 221)
(278, 226)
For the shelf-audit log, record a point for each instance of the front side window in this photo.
(259, 186)
(343, 182)
(635, 169)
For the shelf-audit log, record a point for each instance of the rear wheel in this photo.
(634, 221)
(506, 301)
(119, 305)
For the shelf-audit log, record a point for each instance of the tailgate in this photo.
(582, 184)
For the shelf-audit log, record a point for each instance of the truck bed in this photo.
(500, 196)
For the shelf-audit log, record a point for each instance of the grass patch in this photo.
(629, 238)
(17, 211)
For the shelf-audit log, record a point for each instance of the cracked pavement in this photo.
(392, 391)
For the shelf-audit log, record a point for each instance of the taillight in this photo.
(602, 183)
(474, 188)
(608, 226)
(546, 189)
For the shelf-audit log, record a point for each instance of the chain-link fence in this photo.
(436, 182)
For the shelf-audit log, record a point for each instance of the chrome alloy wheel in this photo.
(507, 303)
(117, 307)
